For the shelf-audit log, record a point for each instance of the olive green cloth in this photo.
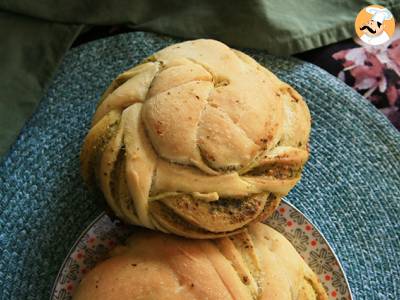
(35, 35)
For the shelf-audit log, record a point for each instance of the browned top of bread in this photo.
(199, 121)
(258, 263)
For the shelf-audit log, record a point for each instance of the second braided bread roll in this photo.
(258, 263)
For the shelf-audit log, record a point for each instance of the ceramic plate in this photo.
(103, 234)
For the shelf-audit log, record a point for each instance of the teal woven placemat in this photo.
(350, 188)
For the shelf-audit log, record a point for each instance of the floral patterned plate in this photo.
(103, 234)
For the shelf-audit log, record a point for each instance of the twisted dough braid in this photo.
(199, 140)
(258, 263)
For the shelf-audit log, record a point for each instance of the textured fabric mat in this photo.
(350, 188)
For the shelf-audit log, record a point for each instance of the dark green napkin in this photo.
(35, 35)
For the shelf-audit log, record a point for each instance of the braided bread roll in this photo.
(258, 263)
(200, 140)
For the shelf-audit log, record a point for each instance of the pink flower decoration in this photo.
(376, 70)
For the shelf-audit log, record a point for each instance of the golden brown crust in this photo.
(258, 263)
(198, 123)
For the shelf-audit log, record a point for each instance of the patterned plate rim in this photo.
(102, 214)
(71, 250)
(326, 241)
